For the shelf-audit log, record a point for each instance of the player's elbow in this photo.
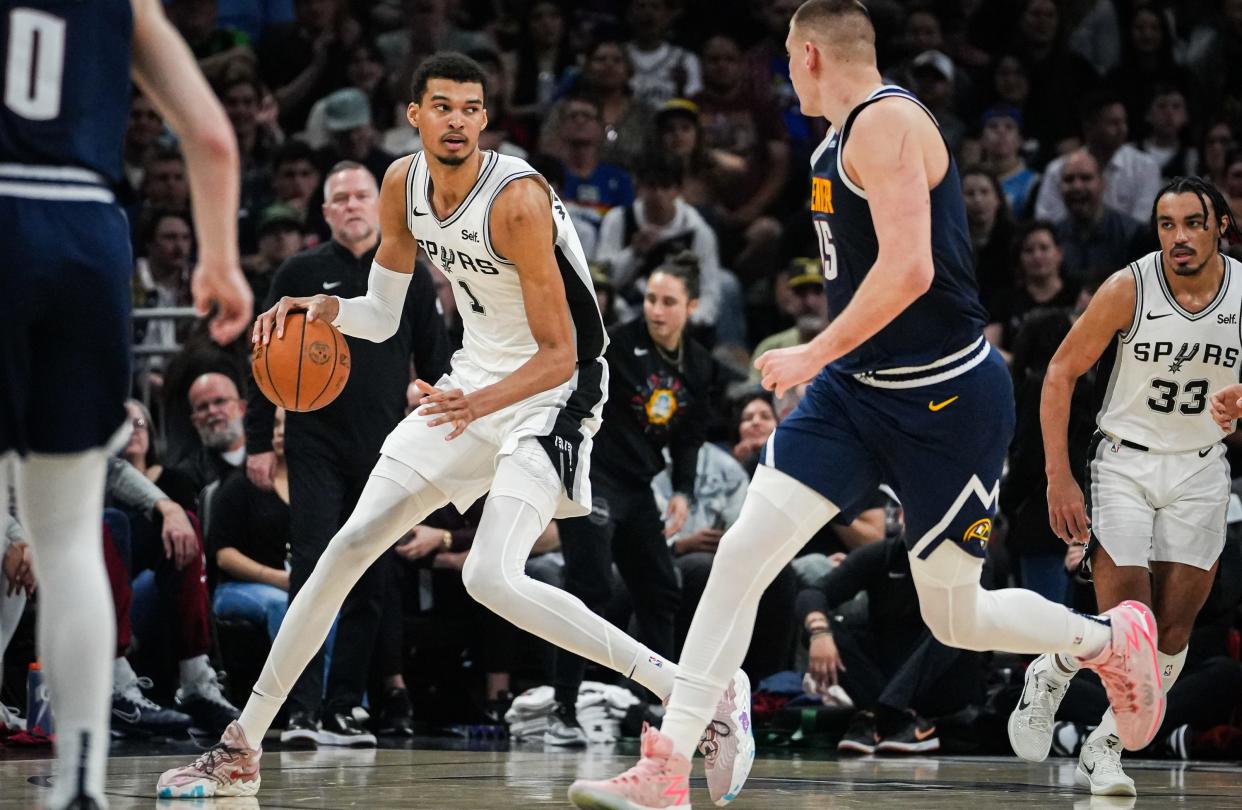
(918, 275)
(562, 360)
(214, 140)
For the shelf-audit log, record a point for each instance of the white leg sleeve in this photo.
(394, 499)
(523, 500)
(777, 519)
(60, 504)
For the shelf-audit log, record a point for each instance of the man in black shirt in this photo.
(331, 451)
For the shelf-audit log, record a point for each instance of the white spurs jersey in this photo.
(485, 284)
(1164, 369)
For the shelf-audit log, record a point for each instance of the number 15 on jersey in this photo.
(827, 251)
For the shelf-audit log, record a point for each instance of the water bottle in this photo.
(38, 706)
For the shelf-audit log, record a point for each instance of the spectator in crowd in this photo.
(1040, 284)
(142, 136)
(143, 454)
(1011, 87)
(1131, 178)
(585, 218)
(887, 662)
(347, 119)
(720, 484)
(706, 171)
(800, 296)
(295, 175)
(430, 26)
(216, 410)
(659, 395)
(1233, 179)
(1216, 52)
(252, 17)
(304, 60)
(626, 119)
(756, 421)
(329, 452)
(162, 279)
(1002, 155)
(932, 78)
(17, 584)
(748, 127)
(164, 184)
(280, 236)
(1094, 33)
(661, 70)
(1051, 67)
(1095, 238)
(365, 73)
(248, 539)
(1168, 127)
(991, 233)
(220, 51)
(538, 65)
(1147, 62)
(1218, 142)
(578, 141)
(252, 113)
(637, 238)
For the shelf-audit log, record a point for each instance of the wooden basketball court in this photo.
(443, 774)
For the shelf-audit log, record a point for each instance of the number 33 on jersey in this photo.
(1157, 376)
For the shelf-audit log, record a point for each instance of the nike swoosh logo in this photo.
(418, 213)
(331, 285)
(1151, 317)
(1023, 703)
(640, 352)
(1089, 770)
(128, 717)
(921, 735)
(939, 406)
(1203, 453)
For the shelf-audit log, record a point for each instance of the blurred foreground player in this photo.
(65, 281)
(905, 390)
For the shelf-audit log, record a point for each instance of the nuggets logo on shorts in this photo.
(980, 531)
(319, 353)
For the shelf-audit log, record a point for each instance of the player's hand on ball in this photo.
(226, 287)
(272, 323)
(1067, 512)
(449, 407)
(1227, 406)
(782, 369)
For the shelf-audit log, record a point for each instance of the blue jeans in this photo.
(1045, 574)
(252, 601)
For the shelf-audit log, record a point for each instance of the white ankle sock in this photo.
(195, 672)
(1092, 634)
(653, 672)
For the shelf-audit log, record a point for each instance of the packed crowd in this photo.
(670, 131)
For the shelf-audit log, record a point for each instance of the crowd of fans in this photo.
(670, 130)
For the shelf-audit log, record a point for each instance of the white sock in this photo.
(195, 672)
(1064, 667)
(778, 517)
(122, 674)
(60, 504)
(1170, 669)
(394, 499)
(654, 672)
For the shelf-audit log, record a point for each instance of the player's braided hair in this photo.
(1206, 191)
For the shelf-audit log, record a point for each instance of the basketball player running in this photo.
(905, 391)
(514, 416)
(1157, 476)
(65, 284)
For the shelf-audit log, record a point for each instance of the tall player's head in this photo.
(1191, 217)
(828, 40)
(446, 106)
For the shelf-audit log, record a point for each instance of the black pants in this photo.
(931, 678)
(772, 641)
(625, 528)
(322, 493)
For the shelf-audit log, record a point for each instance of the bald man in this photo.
(216, 410)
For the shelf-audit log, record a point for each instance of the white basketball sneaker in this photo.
(1099, 768)
(1030, 723)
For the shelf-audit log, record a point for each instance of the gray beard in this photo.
(223, 438)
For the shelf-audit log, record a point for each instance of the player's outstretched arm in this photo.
(1110, 311)
(890, 143)
(376, 315)
(166, 71)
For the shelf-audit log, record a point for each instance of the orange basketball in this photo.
(304, 370)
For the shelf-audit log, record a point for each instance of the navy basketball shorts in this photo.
(65, 336)
(941, 446)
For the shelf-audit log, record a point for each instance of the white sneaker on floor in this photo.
(1030, 723)
(564, 730)
(1099, 769)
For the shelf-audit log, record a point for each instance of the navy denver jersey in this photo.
(948, 317)
(66, 83)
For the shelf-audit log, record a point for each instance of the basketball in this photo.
(304, 370)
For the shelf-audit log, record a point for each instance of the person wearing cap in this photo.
(806, 303)
(1002, 154)
(932, 75)
(347, 119)
(706, 171)
(279, 231)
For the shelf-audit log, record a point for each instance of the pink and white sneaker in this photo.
(660, 779)
(228, 768)
(1131, 674)
(728, 743)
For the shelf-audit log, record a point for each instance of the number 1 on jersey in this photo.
(475, 306)
(827, 250)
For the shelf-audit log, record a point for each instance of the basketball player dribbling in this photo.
(906, 391)
(1165, 332)
(64, 338)
(514, 417)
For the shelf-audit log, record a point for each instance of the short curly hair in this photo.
(456, 67)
